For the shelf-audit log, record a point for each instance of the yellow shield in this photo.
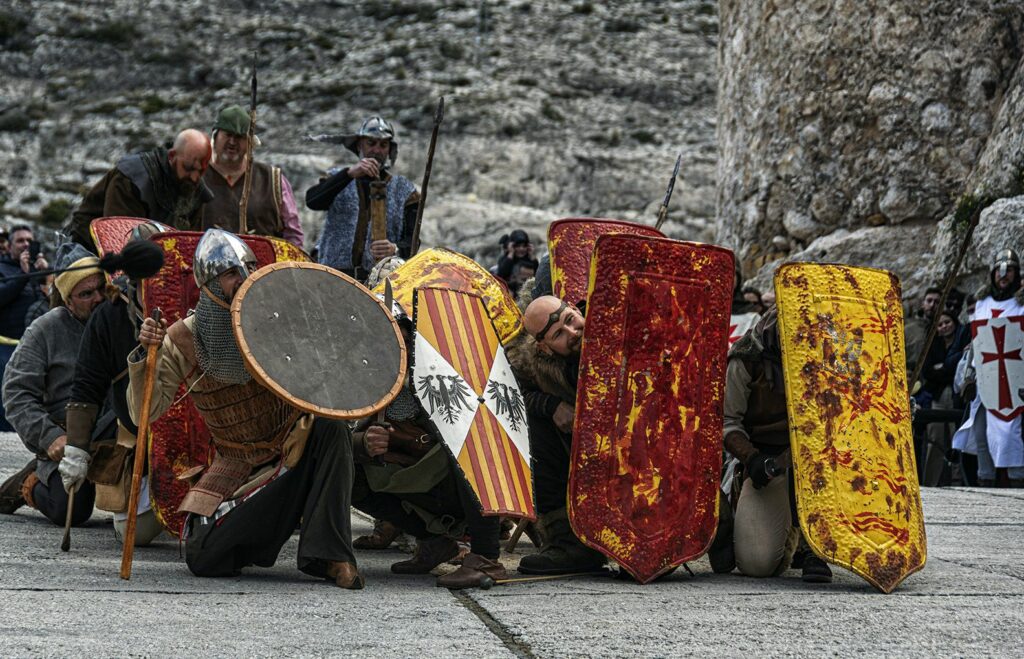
(858, 500)
(443, 268)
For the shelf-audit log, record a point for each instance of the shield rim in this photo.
(811, 538)
(573, 470)
(454, 458)
(258, 372)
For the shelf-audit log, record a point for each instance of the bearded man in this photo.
(546, 363)
(164, 185)
(271, 210)
(37, 385)
(273, 465)
(363, 200)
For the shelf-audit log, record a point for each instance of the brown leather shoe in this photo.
(474, 571)
(10, 492)
(27, 486)
(430, 552)
(345, 575)
(384, 533)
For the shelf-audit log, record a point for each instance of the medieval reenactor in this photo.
(101, 371)
(993, 427)
(756, 432)
(164, 185)
(237, 517)
(371, 213)
(405, 476)
(546, 363)
(37, 385)
(271, 210)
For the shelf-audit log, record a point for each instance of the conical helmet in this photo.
(219, 251)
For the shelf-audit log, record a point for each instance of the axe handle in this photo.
(65, 543)
(513, 540)
(128, 550)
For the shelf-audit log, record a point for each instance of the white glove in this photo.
(73, 467)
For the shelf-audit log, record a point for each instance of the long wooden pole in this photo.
(438, 118)
(128, 551)
(250, 139)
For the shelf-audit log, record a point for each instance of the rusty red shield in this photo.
(571, 243)
(179, 440)
(111, 234)
(647, 440)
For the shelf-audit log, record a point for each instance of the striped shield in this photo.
(463, 380)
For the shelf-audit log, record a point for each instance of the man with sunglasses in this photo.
(164, 185)
(37, 386)
(352, 196)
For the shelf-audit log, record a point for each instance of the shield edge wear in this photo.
(258, 372)
(975, 324)
(558, 272)
(531, 513)
(505, 334)
(168, 516)
(713, 408)
(804, 506)
(101, 249)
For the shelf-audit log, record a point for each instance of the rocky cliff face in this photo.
(553, 108)
(848, 129)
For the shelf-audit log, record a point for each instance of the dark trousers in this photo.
(5, 356)
(318, 491)
(52, 501)
(450, 498)
(549, 460)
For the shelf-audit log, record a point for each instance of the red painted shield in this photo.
(111, 234)
(647, 439)
(999, 363)
(571, 242)
(179, 439)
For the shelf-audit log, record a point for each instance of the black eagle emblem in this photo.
(447, 393)
(507, 402)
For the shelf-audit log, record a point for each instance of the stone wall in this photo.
(847, 129)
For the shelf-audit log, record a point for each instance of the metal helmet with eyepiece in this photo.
(219, 251)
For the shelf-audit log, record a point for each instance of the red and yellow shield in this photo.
(443, 268)
(111, 234)
(179, 440)
(285, 251)
(571, 242)
(858, 501)
(465, 383)
(647, 439)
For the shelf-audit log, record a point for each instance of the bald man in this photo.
(164, 185)
(546, 362)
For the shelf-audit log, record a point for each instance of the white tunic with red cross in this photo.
(997, 328)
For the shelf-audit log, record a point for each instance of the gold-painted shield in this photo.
(858, 500)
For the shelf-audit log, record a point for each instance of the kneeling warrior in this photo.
(273, 465)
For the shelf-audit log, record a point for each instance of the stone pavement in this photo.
(969, 599)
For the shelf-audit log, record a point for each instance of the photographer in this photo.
(17, 294)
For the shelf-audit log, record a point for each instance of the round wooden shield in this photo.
(319, 339)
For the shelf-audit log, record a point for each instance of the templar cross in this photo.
(999, 334)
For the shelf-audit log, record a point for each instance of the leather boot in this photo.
(563, 552)
(721, 553)
(474, 571)
(345, 575)
(986, 482)
(430, 552)
(813, 569)
(1017, 483)
(384, 533)
(10, 492)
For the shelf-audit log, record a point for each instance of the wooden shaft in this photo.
(950, 276)
(378, 210)
(438, 117)
(243, 207)
(516, 534)
(65, 543)
(128, 550)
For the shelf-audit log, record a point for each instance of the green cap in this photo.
(233, 119)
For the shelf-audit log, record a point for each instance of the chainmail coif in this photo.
(216, 348)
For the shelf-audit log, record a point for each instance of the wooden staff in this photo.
(663, 210)
(65, 544)
(140, 457)
(250, 139)
(438, 118)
